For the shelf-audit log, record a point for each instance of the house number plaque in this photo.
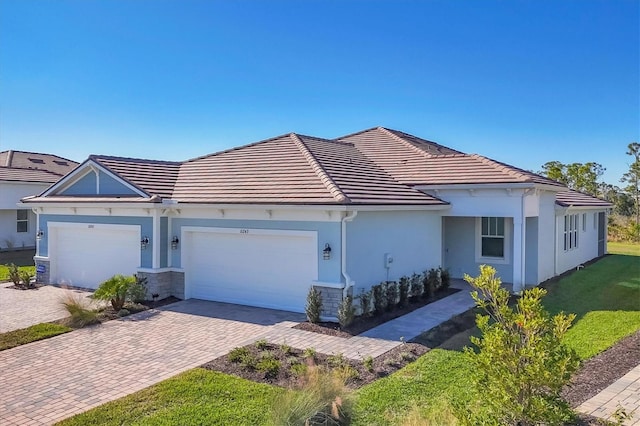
(244, 231)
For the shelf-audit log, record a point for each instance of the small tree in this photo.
(391, 293)
(417, 286)
(403, 292)
(118, 290)
(313, 308)
(521, 365)
(379, 298)
(365, 303)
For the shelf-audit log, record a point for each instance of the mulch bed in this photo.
(602, 370)
(287, 377)
(360, 325)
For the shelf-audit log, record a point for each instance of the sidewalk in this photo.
(625, 393)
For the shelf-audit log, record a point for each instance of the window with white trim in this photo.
(570, 232)
(584, 222)
(492, 237)
(22, 220)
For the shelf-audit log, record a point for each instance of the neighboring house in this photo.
(23, 174)
(259, 224)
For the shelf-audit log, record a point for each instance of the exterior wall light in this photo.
(39, 234)
(144, 242)
(326, 253)
(174, 242)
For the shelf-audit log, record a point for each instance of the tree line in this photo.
(584, 177)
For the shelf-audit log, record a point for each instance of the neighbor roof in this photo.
(15, 174)
(378, 166)
(37, 161)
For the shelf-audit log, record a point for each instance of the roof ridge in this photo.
(333, 188)
(115, 157)
(511, 170)
(404, 141)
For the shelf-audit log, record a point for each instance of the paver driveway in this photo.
(52, 379)
(23, 308)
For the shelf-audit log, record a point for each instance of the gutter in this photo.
(348, 282)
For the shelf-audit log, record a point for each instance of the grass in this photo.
(605, 296)
(196, 397)
(631, 249)
(36, 332)
(4, 271)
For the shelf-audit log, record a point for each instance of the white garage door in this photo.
(271, 269)
(86, 255)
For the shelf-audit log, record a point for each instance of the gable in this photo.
(91, 180)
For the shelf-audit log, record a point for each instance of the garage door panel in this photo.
(268, 270)
(85, 257)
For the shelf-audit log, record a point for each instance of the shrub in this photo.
(521, 364)
(346, 372)
(323, 400)
(346, 312)
(379, 299)
(430, 283)
(417, 286)
(403, 292)
(269, 365)
(313, 309)
(285, 349)
(237, 354)
(119, 289)
(298, 369)
(337, 360)
(365, 303)
(262, 344)
(80, 311)
(445, 278)
(391, 294)
(309, 353)
(248, 361)
(26, 276)
(368, 363)
(123, 312)
(14, 274)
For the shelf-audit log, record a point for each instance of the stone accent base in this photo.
(331, 299)
(42, 277)
(164, 284)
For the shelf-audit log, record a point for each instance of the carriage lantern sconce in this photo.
(326, 253)
(174, 242)
(144, 242)
(39, 234)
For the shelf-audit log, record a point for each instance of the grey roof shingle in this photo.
(575, 198)
(16, 174)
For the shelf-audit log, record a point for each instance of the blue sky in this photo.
(522, 82)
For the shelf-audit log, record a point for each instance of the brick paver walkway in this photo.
(47, 381)
(625, 393)
(23, 308)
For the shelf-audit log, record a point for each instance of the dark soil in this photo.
(22, 287)
(445, 331)
(358, 374)
(360, 324)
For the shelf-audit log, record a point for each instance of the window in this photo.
(584, 222)
(570, 232)
(492, 235)
(22, 221)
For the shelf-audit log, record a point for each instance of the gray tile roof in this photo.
(575, 198)
(378, 166)
(415, 161)
(35, 160)
(16, 174)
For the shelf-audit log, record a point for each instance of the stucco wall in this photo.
(531, 251)
(413, 239)
(546, 236)
(9, 235)
(328, 232)
(587, 248)
(460, 249)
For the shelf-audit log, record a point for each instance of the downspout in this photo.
(348, 282)
(523, 240)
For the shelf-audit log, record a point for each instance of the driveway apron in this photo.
(47, 381)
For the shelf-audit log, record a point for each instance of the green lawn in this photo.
(632, 249)
(23, 336)
(605, 296)
(4, 271)
(197, 397)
